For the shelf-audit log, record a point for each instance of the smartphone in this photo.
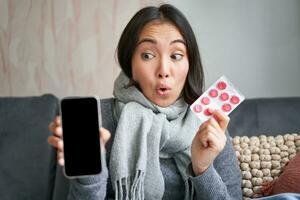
(80, 124)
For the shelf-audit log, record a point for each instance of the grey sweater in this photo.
(222, 180)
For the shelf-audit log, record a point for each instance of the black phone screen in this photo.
(81, 136)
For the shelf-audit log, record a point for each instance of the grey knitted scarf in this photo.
(146, 133)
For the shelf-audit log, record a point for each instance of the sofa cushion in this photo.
(262, 159)
(27, 161)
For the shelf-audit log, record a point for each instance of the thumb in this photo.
(223, 120)
(104, 135)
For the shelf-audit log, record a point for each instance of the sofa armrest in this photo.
(27, 163)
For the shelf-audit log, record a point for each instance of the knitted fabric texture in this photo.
(288, 181)
(262, 160)
(145, 133)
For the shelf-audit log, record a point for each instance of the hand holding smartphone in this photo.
(80, 124)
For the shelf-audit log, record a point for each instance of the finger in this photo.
(204, 141)
(207, 139)
(213, 130)
(55, 142)
(58, 121)
(58, 131)
(213, 122)
(55, 129)
(210, 140)
(209, 122)
(104, 135)
(217, 129)
(60, 155)
(201, 138)
(203, 125)
(222, 119)
(202, 134)
(210, 128)
(61, 162)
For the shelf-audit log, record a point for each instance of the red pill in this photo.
(235, 99)
(207, 112)
(213, 93)
(224, 96)
(221, 85)
(197, 108)
(205, 100)
(226, 107)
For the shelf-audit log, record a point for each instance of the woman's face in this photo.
(160, 63)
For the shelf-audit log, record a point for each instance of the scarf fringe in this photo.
(136, 191)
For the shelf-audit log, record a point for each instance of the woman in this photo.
(160, 150)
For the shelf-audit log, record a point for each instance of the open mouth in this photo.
(163, 90)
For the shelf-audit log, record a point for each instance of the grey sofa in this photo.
(28, 167)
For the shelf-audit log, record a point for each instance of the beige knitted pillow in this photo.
(262, 158)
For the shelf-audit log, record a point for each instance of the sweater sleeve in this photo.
(222, 180)
(90, 188)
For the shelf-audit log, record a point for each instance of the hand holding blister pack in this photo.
(222, 95)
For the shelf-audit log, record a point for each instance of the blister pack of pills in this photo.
(221, 95)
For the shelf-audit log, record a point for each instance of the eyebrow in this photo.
(178, 41)
(147, 40)
(155, 42)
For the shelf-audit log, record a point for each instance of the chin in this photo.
(164, 102)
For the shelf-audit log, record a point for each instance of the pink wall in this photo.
(61, 47)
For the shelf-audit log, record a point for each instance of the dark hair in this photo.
(194, 84)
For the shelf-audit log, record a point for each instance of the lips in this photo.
(163, 89)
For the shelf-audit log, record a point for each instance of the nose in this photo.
(163, 69)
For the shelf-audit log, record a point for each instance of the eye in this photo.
(147, 56)
(176, 56)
